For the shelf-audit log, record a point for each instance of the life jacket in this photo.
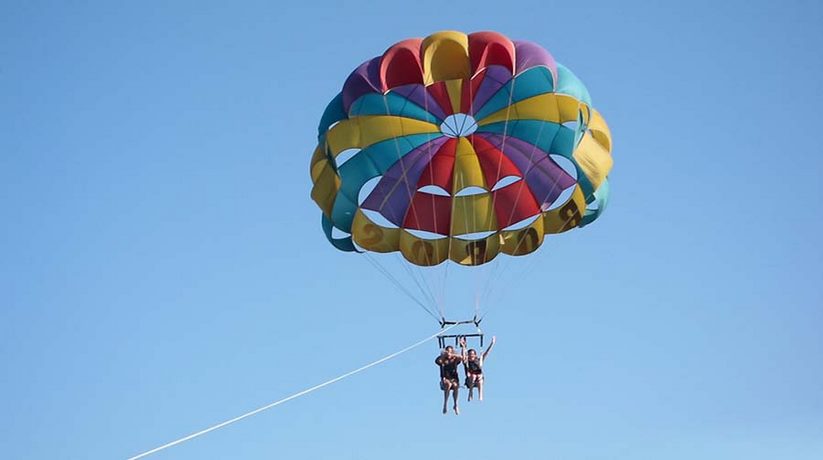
(474, 366)
(448, 368)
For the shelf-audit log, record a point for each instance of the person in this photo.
(449, 377)
(473, 365)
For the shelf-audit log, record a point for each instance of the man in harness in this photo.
(474, 367)
(449, 377)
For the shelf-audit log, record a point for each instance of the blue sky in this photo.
(163, 267)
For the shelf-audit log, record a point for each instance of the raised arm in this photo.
(463, 356)
(488, 350)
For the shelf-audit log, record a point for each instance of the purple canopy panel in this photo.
(417, 94)
(392, 195)
(528, 55)
(495, 77)
(365, 79)
(545, 178)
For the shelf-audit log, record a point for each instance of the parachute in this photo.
(457, 148)
(450, 150)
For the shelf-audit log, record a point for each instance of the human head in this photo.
(448, 350)
(472, 353)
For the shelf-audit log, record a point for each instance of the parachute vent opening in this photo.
(338, 234)
(523, 223)
(508, 180)
(569, 168)
(475, 236)
(378, 218)
(434, 190)
(367, 188)
(345, 156)
(581, 117)
(573, 125)
(473, 190)
(565, 164)
(458, 125)
(424, 235)
(562, 199)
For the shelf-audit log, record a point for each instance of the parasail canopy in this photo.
(459, 147)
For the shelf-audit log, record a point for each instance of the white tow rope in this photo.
(288, 398)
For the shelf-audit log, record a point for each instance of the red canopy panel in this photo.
(469, 90)
(441, 95)
(428, 212)
(400, 64)
(440, 170)
(490, 48)
(514, 203)
(493, 162)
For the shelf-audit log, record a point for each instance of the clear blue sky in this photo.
(162, 267)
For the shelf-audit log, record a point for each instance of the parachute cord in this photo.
(496, 275)
(444, 281)
(489, 286)
(432, 291)
(527, 268)
(380, 268)
(494, 297)
(288, 398)
(484, 290)
(423, 290)
(500, 160)
(404, 176)
(480, 289)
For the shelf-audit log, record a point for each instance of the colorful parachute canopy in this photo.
(459, 147)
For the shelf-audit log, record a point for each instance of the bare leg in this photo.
(446, 388)
(479, 384)
(471, 382)
(455, 390)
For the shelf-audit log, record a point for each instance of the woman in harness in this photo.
(474, 367)
(449, 377)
